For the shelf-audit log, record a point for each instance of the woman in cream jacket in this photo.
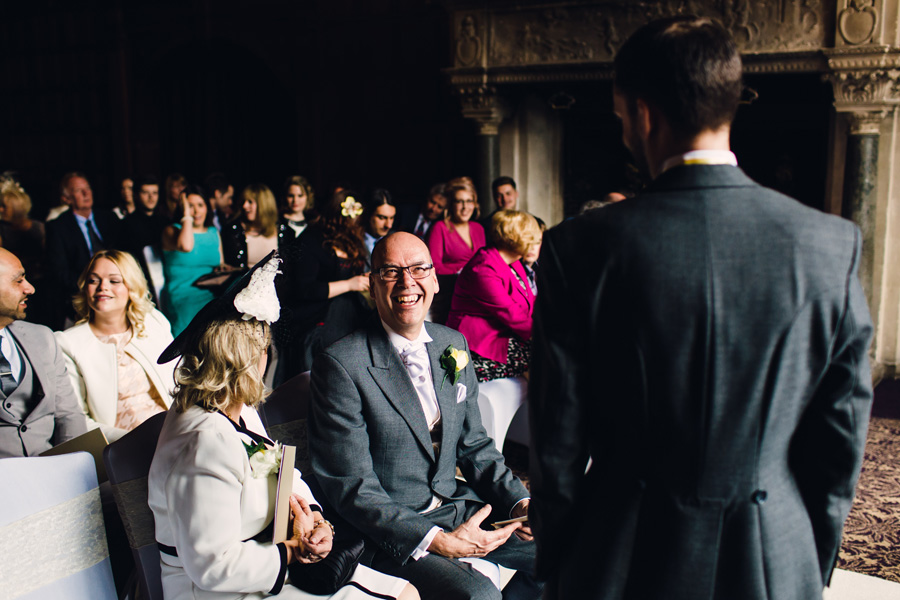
(111, 352)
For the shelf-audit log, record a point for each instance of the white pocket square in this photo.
(460, 393)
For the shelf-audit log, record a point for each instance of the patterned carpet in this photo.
(872, 533)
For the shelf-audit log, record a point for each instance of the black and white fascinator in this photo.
(253, 296)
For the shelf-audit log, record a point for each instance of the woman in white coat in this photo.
(111, 352)
(213, 477)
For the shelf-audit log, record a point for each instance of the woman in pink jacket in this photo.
(492, 302)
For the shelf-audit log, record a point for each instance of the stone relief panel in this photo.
(591, 32)
(857, 22)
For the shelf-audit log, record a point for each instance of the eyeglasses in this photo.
(395, 273)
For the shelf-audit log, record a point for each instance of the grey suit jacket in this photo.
(372, 452)
(57, 416)
(706, 344)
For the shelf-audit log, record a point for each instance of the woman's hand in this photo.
(311, 532)
(304, 521)
(187, 213)
(359, 283)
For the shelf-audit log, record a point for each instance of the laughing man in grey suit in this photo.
(705, 344)
(38, 407)
(388, 430)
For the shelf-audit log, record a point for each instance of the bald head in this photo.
(403, 301)
(14, 289)
(397, 239)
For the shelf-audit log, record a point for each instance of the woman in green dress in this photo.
(191, 248)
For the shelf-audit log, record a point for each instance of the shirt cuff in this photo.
(282, 571)
(513, 509)
(421, 550)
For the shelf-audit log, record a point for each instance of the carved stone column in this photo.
(482, 104)
(865, 82)
(860, 185)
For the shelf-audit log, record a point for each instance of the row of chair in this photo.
(50, 490)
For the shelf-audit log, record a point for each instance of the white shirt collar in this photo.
(701, 157)
(400, 343)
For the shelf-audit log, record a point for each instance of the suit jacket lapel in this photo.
(390, 374)
(443, 388)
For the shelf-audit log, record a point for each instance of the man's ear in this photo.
(644, 119)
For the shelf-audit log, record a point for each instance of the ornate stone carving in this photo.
(594, 31)
(864, 79)
(468, 43)
(866, 122)
(857, 22)
(481, 103)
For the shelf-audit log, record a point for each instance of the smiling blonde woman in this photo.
(111, 352)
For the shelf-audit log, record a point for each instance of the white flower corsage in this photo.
(453, 361)
(264, 461)
(259, 299)
(351, 208)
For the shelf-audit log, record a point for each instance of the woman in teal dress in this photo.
(191, 249)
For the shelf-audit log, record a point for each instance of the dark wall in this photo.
(330, 89)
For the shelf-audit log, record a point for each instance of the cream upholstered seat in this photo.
(52, 535)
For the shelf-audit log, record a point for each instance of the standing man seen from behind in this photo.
(390, 422)
(705, 344)
(72, 238)
(38, 408)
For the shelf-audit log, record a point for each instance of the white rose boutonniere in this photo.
(264, 461)
(453, 361)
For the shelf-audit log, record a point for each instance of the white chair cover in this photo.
(52, 536)
(498, 401)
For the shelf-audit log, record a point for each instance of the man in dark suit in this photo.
(390, 423)
(38, 407)
(705, 345)
(72, 238)
(420, 221)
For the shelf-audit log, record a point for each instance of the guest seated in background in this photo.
(191, 249)
(453, 241)
(529, 261)
(420, 219)
(72, 239)
(255, 231)
(143, 234)
(323, 285)
(221, 197)
(175, 184)
(505, 195)
(493, 303)
(126, 198)
(299, 199)
(24, 237)
(212, 505)
(378, 217)
(39, 409)
(111, 352)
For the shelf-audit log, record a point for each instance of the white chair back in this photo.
(52, 536)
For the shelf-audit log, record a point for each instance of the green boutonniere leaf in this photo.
(253, 448)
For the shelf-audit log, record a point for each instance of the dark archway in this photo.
(215, 106)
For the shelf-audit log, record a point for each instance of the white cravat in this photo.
(415, 357)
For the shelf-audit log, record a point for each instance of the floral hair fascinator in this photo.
(253, 296)
(351, 208)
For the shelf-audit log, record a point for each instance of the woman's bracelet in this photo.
(186, 218)
(324, 522)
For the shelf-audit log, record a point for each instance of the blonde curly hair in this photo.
(222, 367)
(140, 305)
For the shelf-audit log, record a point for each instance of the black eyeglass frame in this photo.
(427, 266)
